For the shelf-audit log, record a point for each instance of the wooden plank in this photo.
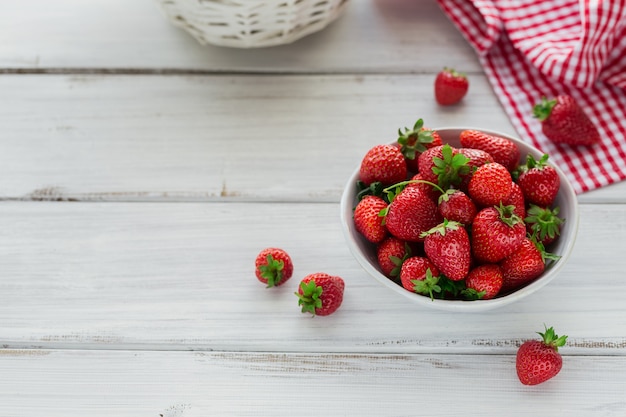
(198, 138)
(186, 384)
(209, 138)
(372, 36)
(180, 276)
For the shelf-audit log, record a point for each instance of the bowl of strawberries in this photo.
(459, 219)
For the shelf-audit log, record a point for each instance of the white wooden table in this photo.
(141, 173)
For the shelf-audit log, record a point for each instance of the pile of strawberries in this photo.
(457, 223)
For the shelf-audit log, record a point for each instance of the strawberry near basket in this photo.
(251, 23)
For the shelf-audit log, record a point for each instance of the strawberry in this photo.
(448, 247)
(496, 233)
(539, 181)
(543, 223)
(391, 254)
(503, 151)
(367, 218)
(457, 206)
(490, 185)
(420, 275)
(413, 142)
(538, 361)
(516, 199)
(410, 213)
(476, 158)
(383, 163)
(450, 87)
(524, 265)
(483, 282)
(273, 267)
(443, 165)
(320, 294)
(564, 121)
(432, 190)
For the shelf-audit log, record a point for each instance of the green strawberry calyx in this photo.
(427, 286)
(472, 294)
(397, 262)
(545, 255)
(450, 168)
(543, 110)
(412, 141)
(507, 215)
(454, 72)
(310, 299)
(544, 222)
(551, 339)
(272, 271)
(442, 228)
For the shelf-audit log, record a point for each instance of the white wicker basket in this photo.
(251, 23)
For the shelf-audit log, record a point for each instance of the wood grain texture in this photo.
(174, 276)
(199, 138)
(372, 36)
(188, 384)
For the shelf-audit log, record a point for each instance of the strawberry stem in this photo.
(310, 298)
(273, 271)
(542, 110)
(550, 338)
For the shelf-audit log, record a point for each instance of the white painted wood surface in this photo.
(141, 173)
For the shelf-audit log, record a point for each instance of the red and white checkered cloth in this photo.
(535, 48)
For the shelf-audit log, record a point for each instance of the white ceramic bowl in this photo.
(365, 252)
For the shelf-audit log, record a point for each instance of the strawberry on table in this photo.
(496, 233)
(450, 86)
(539, 181)
(367, 218)
(483, 282)
(503, 151)
(419, 275)
(448, 247)
(384, 164)
(273, 267)
(490, 185)
(320, 294)
(538, 361)
(564, 121)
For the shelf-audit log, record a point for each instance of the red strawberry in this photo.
(367, 218)
(516, 199)
(490, 185)
(410, 213)
(496, 233)
(538, 361)
(383, 163)
(420, 275)
(448, 247)
(450, 87)
(391, 254)
(543, 223)
(273, 267)
(503, 151)
(320, 294)
(483, 282)
(539, 181)
(564, 121)
(457, 206)
(476, 158)
(413, 142)
(443, 165)
(524, 265)
(432, 191)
